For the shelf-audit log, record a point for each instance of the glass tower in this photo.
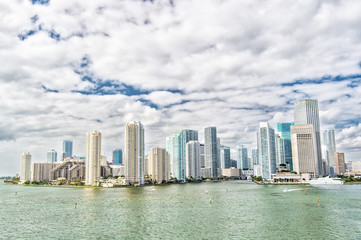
(118, 157)
(67, 148)
(210, 148)
(285, 130)
(266, 149)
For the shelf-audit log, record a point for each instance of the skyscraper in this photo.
(117, 157)
(211, 154)
(225, 157)
(255, 156)
(93, 157)
(242, 158)
(176, 147)
(306, 112)
(25, 167)
(330, 144)
(340, 163)
(134, 152)
(304, 149)
(285, 130)
(280, 150)
(68, 148)
(266, 149)
(159, 167)
(193, 160)
(52, 156)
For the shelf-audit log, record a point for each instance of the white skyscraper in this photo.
(134, 152)
(330, 144)
(93, 150)
(266, 150)
(242, 158)
(25, 167)
(210, 151)
(52, 156)
(193, 160)
(159, 167)
(280, 149)
(306, 112)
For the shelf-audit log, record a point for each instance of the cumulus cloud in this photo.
(69, 67)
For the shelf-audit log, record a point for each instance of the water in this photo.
(230, 210)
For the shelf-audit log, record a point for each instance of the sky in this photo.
(72, 66)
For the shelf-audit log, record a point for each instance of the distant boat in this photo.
(326, 180)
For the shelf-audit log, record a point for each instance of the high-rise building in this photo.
(93, 157)
(266, 149)
(41, 171)
(255, 156)
(304, 149)
(68, 148)
(117, 157)
(25, 167)
(225, 157)
(203, 165)
(176, 147)
(193, 160)
(211, 154)
(330, 144)
(52, 156)
(285, 130)
(340, 163)
(159, 167)
(134, 152)
(306, 112)
(280, 150)
(242, 158)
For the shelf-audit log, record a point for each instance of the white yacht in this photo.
(326, 180)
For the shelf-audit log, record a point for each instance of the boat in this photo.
(326, 181)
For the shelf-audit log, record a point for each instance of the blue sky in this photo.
(69, 67)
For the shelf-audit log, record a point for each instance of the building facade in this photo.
(340, 163)
(159, 167)
(193, 160)
(67, 148)
(52, 156)
(93, 157)
(280, 150)
(285, 130)
(210, 151)
(266, 150)
(329, 141)
(225, 157)
(242, 158)
(25, 167)
(117, 157)
(41, 171)
(71, 169)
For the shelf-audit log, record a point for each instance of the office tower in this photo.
(304, 149)
(330, 144)
(202, 156)
(210, 149)
(68, 148)
(176, 147)
(266, 149)
(285, 130)
(134, 152)
(225, 157)
(306, 112)
(41, 171)
(280, 150)
(242, 157)
(193, 160)
(117, 157)
(340, 163)
(52, 156)
(159, 167)
(25, 167)
(255, 156)
(93, 157)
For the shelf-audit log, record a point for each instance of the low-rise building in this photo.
(232, 172)
(41, 171)
(70, 169)
(290, 177)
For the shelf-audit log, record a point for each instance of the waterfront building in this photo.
(266, 149)
(285, 130)
(231, 172)
(134, 152)
(67, 148)
(329, 141)
(159, 167)
(250, 163)
(117, 170)
(211, 154)
(255, 157)
(25, 167)
(242, 157)
(304, 149)
(176, 147)
(355, 166)
(202, 156)
(280, 149)
(340, 163)
(193, 160)
(41, 171)
(52, 156)
(225, 157)
(306, 112)
(74, 169)
(93, 157)
(117, 157)
(146, 165)
(257, 170)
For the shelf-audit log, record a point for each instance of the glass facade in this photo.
(285, 130)
(118, 157)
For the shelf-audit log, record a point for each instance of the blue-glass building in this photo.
(67, 148)
(225, 157)
(242, 158)
(118, 157)
(285, 130)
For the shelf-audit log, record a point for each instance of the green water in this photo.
(236, 211)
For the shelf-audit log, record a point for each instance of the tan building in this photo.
(41, 171)
(71, 169)
(25, 167)
(340, 163)
(304, 149)
(232, 172)
(159, 166)
(134, 152)
(93, 157)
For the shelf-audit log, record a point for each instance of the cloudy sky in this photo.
(68, 67)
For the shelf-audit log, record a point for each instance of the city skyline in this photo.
(172, 66)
